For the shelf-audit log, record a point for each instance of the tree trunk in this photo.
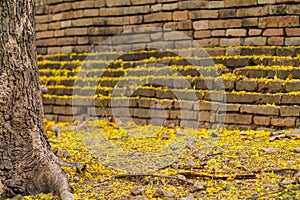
(27, 166)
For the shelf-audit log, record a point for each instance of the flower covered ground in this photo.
(124, 161)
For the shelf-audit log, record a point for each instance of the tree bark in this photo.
(27, 165)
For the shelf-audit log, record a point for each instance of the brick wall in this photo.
(77, 26)
(66, 26)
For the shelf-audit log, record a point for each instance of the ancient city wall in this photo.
(254, 46)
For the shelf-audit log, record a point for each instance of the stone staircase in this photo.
(235, 87)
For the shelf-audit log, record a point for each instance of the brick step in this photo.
(213, 95)
(137, 71)
(228, 61)
(262, 85)
(176, 111)
(211, 51)
(269, 73)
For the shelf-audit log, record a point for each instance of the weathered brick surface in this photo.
(79, 26)
(262, 121)
(283, 122)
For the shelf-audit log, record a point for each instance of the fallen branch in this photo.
(237, 177)
(120, 176)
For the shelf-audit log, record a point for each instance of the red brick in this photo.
(136, 10)
(83, 4)
(230, 42)
(82, 22)
(227, 13)
(250, 22)
(82, 40)
(203, 14)
(292, 31)
(279, 21)
(287, 111)
(142, 2)
(284, 122)
(117, 20)
(273, 32)
(256, 41)
(115, 3)
(47, 42)
(218, 33)
(200, 25)
(66, 41)
(137, 19)
(262, 121)
(117, 11)
(238, 3)
(202, 34)
(76, 31)
(229, 23)
(249, 12)
(54, 50)
(180, 15)
(293, 9)
(61, 7)
(292, 41)
(41, 27)
(90, 12)
(171, 6)
(236, 32)
(156, 7)
(44, 34)
(43, 18)
(59, 33)
(216, 4)
(208, 42)
(254, 32)
(266, 1)
(275, 41)
(158, 17)
(192, 4)
(235, 118)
